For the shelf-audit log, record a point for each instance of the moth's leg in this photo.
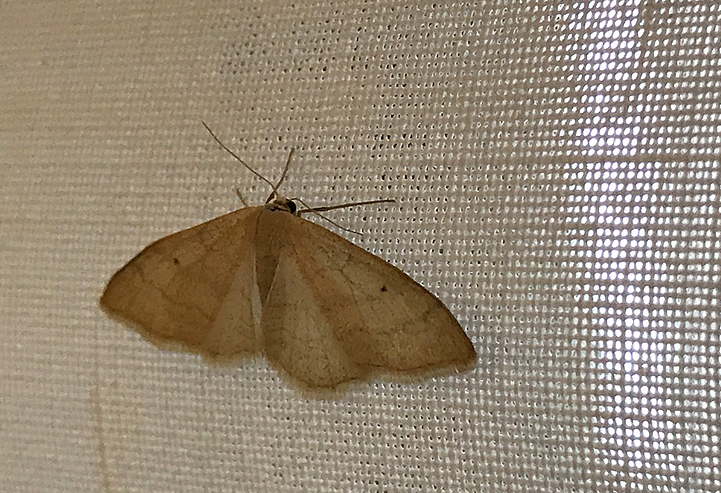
(240, 196)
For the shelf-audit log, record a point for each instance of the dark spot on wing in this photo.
(176, 261)
(384, 289)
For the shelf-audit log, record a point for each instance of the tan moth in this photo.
(264, 280)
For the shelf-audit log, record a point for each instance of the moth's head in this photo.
(279, 203)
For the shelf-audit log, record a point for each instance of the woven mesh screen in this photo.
(557, 171)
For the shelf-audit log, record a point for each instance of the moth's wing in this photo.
(335, 311)
(297, 334)
(194, 289)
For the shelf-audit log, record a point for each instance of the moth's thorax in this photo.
(271, 237)
(281, 204)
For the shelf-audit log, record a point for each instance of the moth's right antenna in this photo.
(282, 177)
(236, 156)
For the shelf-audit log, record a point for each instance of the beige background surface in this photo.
(557, 171)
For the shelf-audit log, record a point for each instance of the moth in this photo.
(265, 280)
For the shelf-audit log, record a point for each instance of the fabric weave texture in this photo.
(556, 166)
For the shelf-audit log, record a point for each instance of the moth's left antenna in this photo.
(237, 157)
